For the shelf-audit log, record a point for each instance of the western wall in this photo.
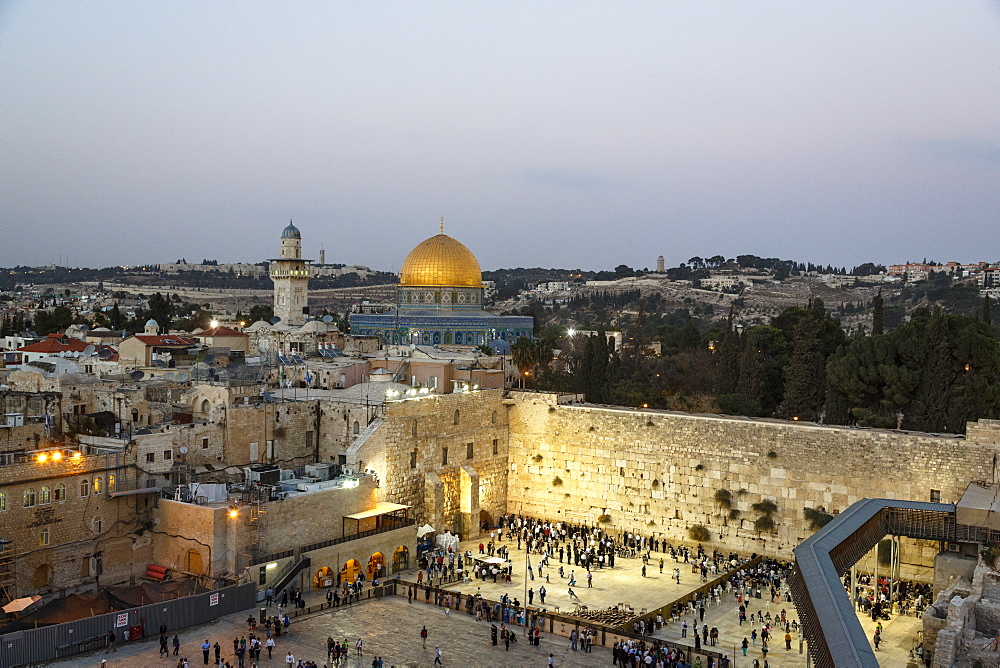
(658, 472)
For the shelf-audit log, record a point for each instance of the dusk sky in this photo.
(554, 134)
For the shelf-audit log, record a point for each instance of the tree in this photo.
(878, 314)
(805, 374)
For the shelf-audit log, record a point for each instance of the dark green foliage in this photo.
(724, 498)
(816, 517)
(939, 371)
(699, 533)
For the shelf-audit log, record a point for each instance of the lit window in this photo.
(60, 492)
(44, 495)
(43, 537)
(98, 485)
(84, 487)
(29, 498)
(496, 446)
(3, 501)
(112, 483)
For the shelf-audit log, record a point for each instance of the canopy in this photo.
(19, 604)
(424, 530)
(380, 508)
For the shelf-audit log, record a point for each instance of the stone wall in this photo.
(658, 472)
(449, 492)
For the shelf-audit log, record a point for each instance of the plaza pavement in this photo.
(390, 626)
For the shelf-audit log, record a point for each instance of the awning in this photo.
(19, 604)
(424, 530)
(132, 492)
(379, 509)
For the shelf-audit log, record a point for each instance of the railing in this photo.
(553, 623)
(666, 610)
(335, 541)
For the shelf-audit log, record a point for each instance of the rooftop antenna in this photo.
(442, 224)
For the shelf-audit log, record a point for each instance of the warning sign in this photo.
(122, 619)
(213, 599)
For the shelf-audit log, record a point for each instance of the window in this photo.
(60, 492)
(413, 459)
(98, 485)
(44, 495)
(29, 498)
(3, 501)
(470, 450)
(456, 417)
(493, 418)
(413, 428)
(204, 444)
(496, 446)
(84, 487)
(150, 457)
(96, 524)
(43, 537)
(112, 482)
(444, 456)
(935, 496)
(168, 454)
(357, 427)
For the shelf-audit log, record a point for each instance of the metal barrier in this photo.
(47, 643)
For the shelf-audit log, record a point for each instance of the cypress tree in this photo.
(878, 316)
(805, 374)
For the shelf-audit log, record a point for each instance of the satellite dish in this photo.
(209, 359)
(136, 375)
(88, 351)
(168, 376)
(183, 376)
(327, 318)
(275, 320)
(183, 449)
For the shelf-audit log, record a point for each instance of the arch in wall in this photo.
(193, 562)
(485, 520)
(376, 565)
(205, 406)
(401, 559)
(42, 576)
(357, 427)
(349, 571)
(323, 577)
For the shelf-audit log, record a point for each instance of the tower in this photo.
(659, 265)
(290, 274)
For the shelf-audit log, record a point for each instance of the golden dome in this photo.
(442, 261)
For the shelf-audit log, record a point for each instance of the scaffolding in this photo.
(8, 570)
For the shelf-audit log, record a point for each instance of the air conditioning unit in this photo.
(319, 471)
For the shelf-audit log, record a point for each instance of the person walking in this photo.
(289, 659)
(177, 644)
(360, 647)
(437, 656)
(270, 646)
(877, 639)
(423, 636)
(590, 579)
(163, 645)
(746, 646)
(541, 594)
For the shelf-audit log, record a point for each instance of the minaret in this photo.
(659, 265)
(290, 274)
